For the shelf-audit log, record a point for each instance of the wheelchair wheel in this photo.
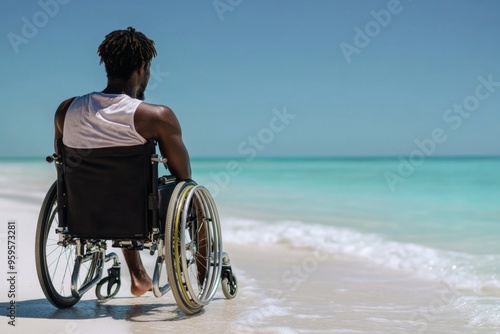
(54, 262)
(193, 249)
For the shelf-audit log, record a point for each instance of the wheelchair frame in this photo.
(179, 246)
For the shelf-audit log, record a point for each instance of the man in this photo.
(118, 117)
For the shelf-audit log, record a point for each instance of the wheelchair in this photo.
(115, 194)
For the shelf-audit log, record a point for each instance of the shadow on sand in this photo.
(131, 309)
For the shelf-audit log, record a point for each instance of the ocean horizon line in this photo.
(240, 158)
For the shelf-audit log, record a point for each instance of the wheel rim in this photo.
(185, 248)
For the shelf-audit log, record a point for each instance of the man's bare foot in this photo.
(140, 285)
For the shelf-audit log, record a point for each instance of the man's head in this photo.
(126, 51)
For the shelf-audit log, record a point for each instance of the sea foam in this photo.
(459, 270)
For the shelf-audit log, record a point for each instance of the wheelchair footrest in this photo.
(128, 244)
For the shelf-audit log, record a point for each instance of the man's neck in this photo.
(120, 87)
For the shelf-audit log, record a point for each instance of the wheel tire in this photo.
(48, 255)
(172, 247)
(190, 245)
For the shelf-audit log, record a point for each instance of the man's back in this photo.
(99, 120)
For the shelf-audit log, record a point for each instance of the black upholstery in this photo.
(105, 192)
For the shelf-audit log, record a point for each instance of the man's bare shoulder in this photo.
(60, 115)
(154, 110)
(63, 107)
(156, 113)
(151, 119)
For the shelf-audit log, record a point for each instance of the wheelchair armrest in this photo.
(166, 179)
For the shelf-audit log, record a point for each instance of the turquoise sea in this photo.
(450, 204)
(441, 223)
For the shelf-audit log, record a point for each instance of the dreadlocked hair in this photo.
(124, 51)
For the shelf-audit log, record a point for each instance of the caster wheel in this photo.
(230, 289)
(111, 292)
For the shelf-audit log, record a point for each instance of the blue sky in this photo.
(286, 78)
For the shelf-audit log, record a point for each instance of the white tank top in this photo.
(99, 120)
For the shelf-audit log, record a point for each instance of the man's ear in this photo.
(140, 70)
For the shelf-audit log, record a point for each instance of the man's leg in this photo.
(141, 283)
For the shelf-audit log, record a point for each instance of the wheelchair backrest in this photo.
(106, 193)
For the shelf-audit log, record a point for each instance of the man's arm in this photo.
(59, 120)
(160, 123)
